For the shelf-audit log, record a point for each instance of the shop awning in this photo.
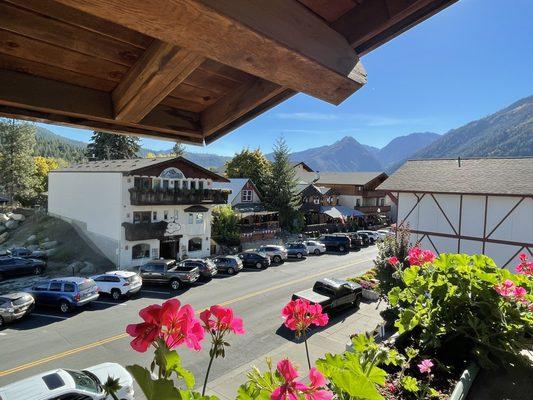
(340, 211)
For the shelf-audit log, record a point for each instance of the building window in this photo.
(157, 183)
(382, 201)
(141, 217)
(195, 244)
(246, 196)
(193, 184)
(165, 215)
(358, 203)
(200, 185)
(316, 200)
(165, 183)
(191, 218)
(155, 253)
(199, 218)
(154, 215)
(141, 250)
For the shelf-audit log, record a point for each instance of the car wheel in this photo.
(342, 249)
(115, 294)
(175, 284)
(277, 259)
(231, 271)
(37, 271)
(1, 322)
(317, 252)
(259, 265)
(357, 302)
(299, 255)
(64, 307)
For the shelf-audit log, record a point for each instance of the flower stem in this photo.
(213, 352)
(307, 350)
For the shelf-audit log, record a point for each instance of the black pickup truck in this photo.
(332, 293)
(167, 272)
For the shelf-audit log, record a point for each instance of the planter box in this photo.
(371, 295)
(465, 382)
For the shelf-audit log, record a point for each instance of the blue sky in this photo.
(462, 64)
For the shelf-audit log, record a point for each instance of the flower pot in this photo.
(465, 382)
(371, 295)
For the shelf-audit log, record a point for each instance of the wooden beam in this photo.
(234, 105)
(280, 41)
(79, 106)
(157, 73)
(372, 23)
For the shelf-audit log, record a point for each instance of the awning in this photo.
(196, 209)
(340, 211)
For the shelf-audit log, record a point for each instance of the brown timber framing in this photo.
(160, 69)
(31, 97)
(250, 35)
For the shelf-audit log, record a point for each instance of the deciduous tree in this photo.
(225, 226)
(178, 150)
(250, 164)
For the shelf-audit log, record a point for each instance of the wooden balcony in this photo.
(148, 197)
(369, 210)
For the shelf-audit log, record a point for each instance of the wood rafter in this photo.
(161, 68)
(287, 45)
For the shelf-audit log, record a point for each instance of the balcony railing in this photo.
(373, 209)
(261, 226)
(147, 197)
(373, 193)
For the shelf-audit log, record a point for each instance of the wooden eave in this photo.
(186, 70)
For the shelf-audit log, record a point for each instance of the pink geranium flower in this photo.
(146, 332)
(316, 390)
(181, 325)
(505, 289)
(391, 387)
(519, 292)
(221, 319)
(525, 267)
(419, 257)
(393, 260)
(300, 314)
(425, 366)
(290, 389)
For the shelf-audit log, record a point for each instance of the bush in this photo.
(467, 301)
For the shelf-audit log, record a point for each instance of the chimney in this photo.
(459, 161)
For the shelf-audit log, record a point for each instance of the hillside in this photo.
(508, 132)
(400, 148)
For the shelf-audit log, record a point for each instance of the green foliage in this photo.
(178, 150)
(410, 384)
(259, 385)
(281, 189)
(250, 164)
(110, 146)
(17, 142)
(111, 387)
(50, 145)
(453, 299)
(225, 228)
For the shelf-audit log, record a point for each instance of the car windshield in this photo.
(85, 381)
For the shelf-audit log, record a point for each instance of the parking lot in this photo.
(96, 333)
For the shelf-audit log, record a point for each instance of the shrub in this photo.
(392, 246)
(465, 300)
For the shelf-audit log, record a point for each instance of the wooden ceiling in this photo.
(186, 70)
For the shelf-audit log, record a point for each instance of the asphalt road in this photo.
(96, 334)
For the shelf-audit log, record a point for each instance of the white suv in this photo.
(315, 247)
(373, 234)
(277, 254)
(118, 283)
(71, 384)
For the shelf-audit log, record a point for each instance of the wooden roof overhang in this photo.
(186, 70)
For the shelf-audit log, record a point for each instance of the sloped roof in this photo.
(500, 176)
(339, 178)
(235, 185)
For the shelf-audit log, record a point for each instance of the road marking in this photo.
(49, 316)
(108, 303)
(125, 335)
(154, 291)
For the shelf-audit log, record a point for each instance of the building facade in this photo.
(139, 209)
(473, 206)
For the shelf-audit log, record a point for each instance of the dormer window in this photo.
(246, 196)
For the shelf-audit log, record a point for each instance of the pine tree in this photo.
(17, 142)
(281, 193)
(178, 150)
(110, 146)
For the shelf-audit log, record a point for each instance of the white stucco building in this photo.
(138, 209)
(473, 206)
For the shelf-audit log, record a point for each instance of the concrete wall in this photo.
(463, 229)
(92, 203)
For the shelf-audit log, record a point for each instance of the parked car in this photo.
(356, 242)
(228, 264)
(315, 247)
(16, 266)
(207, 268)
(373, 235)
(15, 306)
(332, 293)
(66, 293)
(67, 384)
(27, 253)
(336, 242)
(277, 254)
(384, 233)
(367, 241)
(167, 272)
(298, 250)
(118, 283)
(251, 259)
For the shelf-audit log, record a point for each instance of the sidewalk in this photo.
(332, 339)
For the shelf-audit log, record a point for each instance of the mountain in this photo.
(508, 133)
(402, 147)
(50, 144)
(346, 154)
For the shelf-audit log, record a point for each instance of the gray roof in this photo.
(502, 176)
(114, 165)
(234, 184)
(339, 178)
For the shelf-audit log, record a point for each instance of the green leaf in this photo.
(410, 274)
(394, 296)
(410, 384)
(158, 389)
(171, 362)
